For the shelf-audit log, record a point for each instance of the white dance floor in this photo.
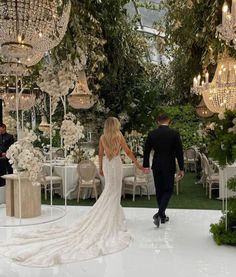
(182, 247)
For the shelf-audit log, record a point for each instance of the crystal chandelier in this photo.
(81, 97)
(12, 69)
(226, 30)
(29, 28)
(220, 94)
(44, 126)
(202, 110)
(26, 101)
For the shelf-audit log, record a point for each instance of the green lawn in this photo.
(191, 196)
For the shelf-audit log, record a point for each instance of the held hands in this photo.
(101, 172)
(180, 174)
(145, 170)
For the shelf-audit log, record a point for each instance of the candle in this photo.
(224, 13)
(233, 11)
(219, 76)
(194, 82)
(207, 77)
(198, 79)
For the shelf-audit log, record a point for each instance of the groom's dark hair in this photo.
(162, 117)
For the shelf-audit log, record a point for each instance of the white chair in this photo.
(60, 153)
(212, 178)
(203, 177)
(139, 180)
(47, 180)
(87, 177)
(190, 159)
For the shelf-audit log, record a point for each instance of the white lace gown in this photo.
(101, 231)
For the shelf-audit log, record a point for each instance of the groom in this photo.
(167, 146)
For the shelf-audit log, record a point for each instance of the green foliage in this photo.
(232, 183)
(190, 41)
(220, 234)
(221, 142)
(185, 120)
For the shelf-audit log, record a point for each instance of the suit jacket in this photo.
(6, 140)
(167, 146)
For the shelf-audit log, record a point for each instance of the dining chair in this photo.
(139, 180)
(87, 172)
(212, 178)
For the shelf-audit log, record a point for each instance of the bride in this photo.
(101, 231)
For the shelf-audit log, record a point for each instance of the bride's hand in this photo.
(101, 172)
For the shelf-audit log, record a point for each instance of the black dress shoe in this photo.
(165, 219)
(157, 220)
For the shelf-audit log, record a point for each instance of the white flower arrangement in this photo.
(233, 129)
(57, 80)
(71, 131)
(123, 117)
(24, 157)
(135, 141)
(221, 116)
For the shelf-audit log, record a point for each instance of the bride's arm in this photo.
(100, 156)
(129, 153)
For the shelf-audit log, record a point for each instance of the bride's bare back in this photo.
(103, 149)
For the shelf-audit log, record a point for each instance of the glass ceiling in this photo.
(147, 17)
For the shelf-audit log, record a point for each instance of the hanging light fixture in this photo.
(26, 101)
(81, 97)
(29, 28)
(220, 93)
(227, 29)
(44, 126)
(202, 110)
(12, 69)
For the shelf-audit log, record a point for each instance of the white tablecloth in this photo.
(69, 173)
(225, 174)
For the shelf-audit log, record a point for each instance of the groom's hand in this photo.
(146, 170)
(181, 174)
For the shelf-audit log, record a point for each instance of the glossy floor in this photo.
(182, 247)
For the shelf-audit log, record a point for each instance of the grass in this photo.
(191, 196)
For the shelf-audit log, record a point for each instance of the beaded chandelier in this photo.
(29, 28)
(227, 29)
(81, 97)
(220, 93)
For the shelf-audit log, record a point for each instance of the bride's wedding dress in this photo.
(99, 232)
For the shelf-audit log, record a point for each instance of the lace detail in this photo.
(101, 231)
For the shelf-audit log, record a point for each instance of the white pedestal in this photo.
(22, 200)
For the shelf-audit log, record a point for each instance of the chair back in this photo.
(140, 176)
(190, 154)
(60, 153)
(87, 170)
(206, 166)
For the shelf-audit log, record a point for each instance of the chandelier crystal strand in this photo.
(26, 101)
(220, 94)
(29, 28)
(227, 30)
(202, 110)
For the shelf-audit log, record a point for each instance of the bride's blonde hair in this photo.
(112, 135)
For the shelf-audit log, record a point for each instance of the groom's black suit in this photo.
(167, 146)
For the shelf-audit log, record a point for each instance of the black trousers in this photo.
(5, 168)
(164, 185)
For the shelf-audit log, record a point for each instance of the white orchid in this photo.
(24, 157)
(221, 116)
(71, 131)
